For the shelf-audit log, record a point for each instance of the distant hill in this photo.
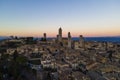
(108, 39)
(3, 37)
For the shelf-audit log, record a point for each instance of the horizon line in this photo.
(55, 36)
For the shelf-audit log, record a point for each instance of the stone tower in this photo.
(82, 42)
(60, 34)
(44, 36)
(69, 40)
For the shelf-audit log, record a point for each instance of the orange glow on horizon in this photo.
(52, 33)
(64, 35)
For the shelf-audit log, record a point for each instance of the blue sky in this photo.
(34, 17)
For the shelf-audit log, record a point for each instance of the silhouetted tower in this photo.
(69, 40)
(82, 42)
(44, 36)
(60, 34)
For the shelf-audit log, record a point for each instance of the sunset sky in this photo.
(34, 17)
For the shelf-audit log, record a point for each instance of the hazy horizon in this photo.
(90, 18)
(55, 36)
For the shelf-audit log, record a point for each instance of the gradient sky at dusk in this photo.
(34, 17)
